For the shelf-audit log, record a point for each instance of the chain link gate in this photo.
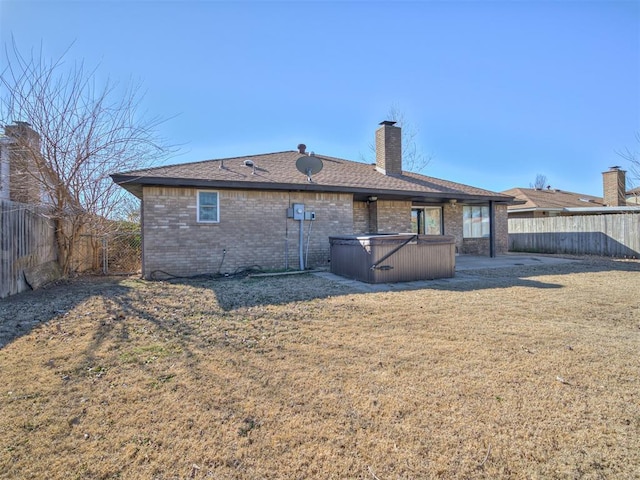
(122, 253)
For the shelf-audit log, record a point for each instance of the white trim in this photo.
(535, 209)
(627, 209)
(602, 209)
(198, 192)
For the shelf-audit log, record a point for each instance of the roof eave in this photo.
(134, 185)
(535, 209)
(601, 209)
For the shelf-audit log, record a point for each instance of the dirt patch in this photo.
(528, 372)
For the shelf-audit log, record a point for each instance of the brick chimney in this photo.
(389, 148)
(22, 144)
(614, 187)
(23, 134)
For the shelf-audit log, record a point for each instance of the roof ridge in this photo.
(198, 162)
(552, 190)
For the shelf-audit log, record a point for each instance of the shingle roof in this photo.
(277, 171)
(548, 199)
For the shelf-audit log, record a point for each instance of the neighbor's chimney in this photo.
(389, 149)
(23, 134)
(24, 155)
(614, 187)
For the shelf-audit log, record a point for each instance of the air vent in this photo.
(248, 163)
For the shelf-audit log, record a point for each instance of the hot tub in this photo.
(402, 257)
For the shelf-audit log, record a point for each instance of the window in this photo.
(475, 221)
(426, 220)
(208, 207)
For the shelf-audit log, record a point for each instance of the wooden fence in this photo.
(611, 235)
(27, 239)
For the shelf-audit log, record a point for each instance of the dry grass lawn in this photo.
(515, 373)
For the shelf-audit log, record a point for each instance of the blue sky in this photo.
(499, 91)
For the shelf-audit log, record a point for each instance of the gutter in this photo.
(535, 209)
(602, 209)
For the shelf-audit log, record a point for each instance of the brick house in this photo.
(225, 215)
(633, 196)
(548, 202)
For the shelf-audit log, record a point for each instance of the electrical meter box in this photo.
(298, 211)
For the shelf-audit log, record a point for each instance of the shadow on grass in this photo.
(238, 293)
(118, 314)
(234, 294)
(165, 317)
(21, 313)
(520, 275)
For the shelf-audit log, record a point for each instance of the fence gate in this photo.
(122, 253)
(111, 254)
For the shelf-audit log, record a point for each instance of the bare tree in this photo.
(87, 129)
(633, 157)
(413, 158)
(540, 183)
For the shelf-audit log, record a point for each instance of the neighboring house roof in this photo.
(277, 171)
(553, 200)
(550, 199)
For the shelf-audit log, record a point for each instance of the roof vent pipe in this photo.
(302, 148)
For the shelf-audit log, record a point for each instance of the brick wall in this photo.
(476, 246)
(614, 187)
(253, 230)
(393, 217)
(389, 149)
(381, 217)
(23, 152)
(502, 229)
(24, 186)
(452, 215)
(360, 218)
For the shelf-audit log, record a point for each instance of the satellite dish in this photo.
(309, 165)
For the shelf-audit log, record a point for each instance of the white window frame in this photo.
(217, 206)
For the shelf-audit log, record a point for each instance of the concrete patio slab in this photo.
(475, 262)
(464, 264)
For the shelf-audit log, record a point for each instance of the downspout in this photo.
(301, 244)
(492, 229)
(142, 242)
